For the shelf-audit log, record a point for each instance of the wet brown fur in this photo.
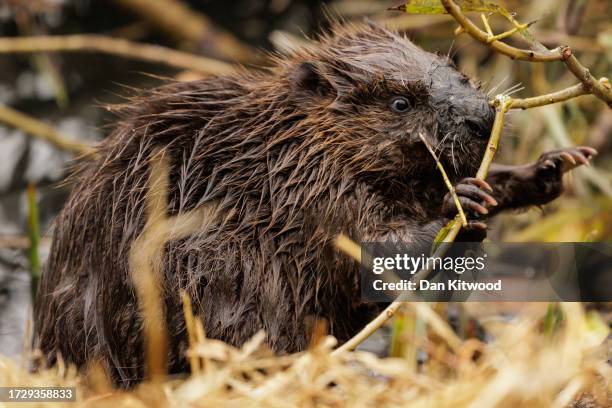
(289, 157)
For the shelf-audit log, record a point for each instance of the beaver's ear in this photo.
(312, 80)
(308, 77)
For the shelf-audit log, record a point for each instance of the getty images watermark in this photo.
(488, 272)
(413, 264)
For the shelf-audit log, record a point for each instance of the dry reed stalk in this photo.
(146, 261)
(177, 20)
(43, 131)
(194, 362)
(348, 246)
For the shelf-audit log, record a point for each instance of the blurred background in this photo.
(68, 91)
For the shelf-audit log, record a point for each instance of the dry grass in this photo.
(522, 366)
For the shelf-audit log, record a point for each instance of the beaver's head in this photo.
(370, 92)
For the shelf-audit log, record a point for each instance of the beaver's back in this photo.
(250, 270)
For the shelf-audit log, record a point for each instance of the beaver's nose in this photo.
(480, 122)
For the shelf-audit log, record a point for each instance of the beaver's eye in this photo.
(399, 104)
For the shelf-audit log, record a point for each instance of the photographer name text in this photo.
(425, 285)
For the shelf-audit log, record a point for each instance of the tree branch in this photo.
(515, 53)
(601, 89)
(115, 46)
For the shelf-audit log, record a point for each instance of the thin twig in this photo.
(115, 46)
(485, 21)
(447, 181)
(600, 89)
(374, 325)
(19, 242)
(43, 131)
(501, 107)
(554, 97)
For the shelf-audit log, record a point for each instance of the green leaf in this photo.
(435, 7)
(553, 319)
(442, 234)
(531, 40)
(403, 338)
(396, 335)
(523, 32)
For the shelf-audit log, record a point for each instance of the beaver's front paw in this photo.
(551, 166)
(563, 160)
(475, 199)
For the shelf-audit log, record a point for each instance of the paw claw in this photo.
(478, 183)
(581, 159)
(568, 157)
(479, 208)
(477, 225)
(588, 151)
(474, 197)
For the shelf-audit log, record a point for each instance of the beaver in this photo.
(325, 141)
